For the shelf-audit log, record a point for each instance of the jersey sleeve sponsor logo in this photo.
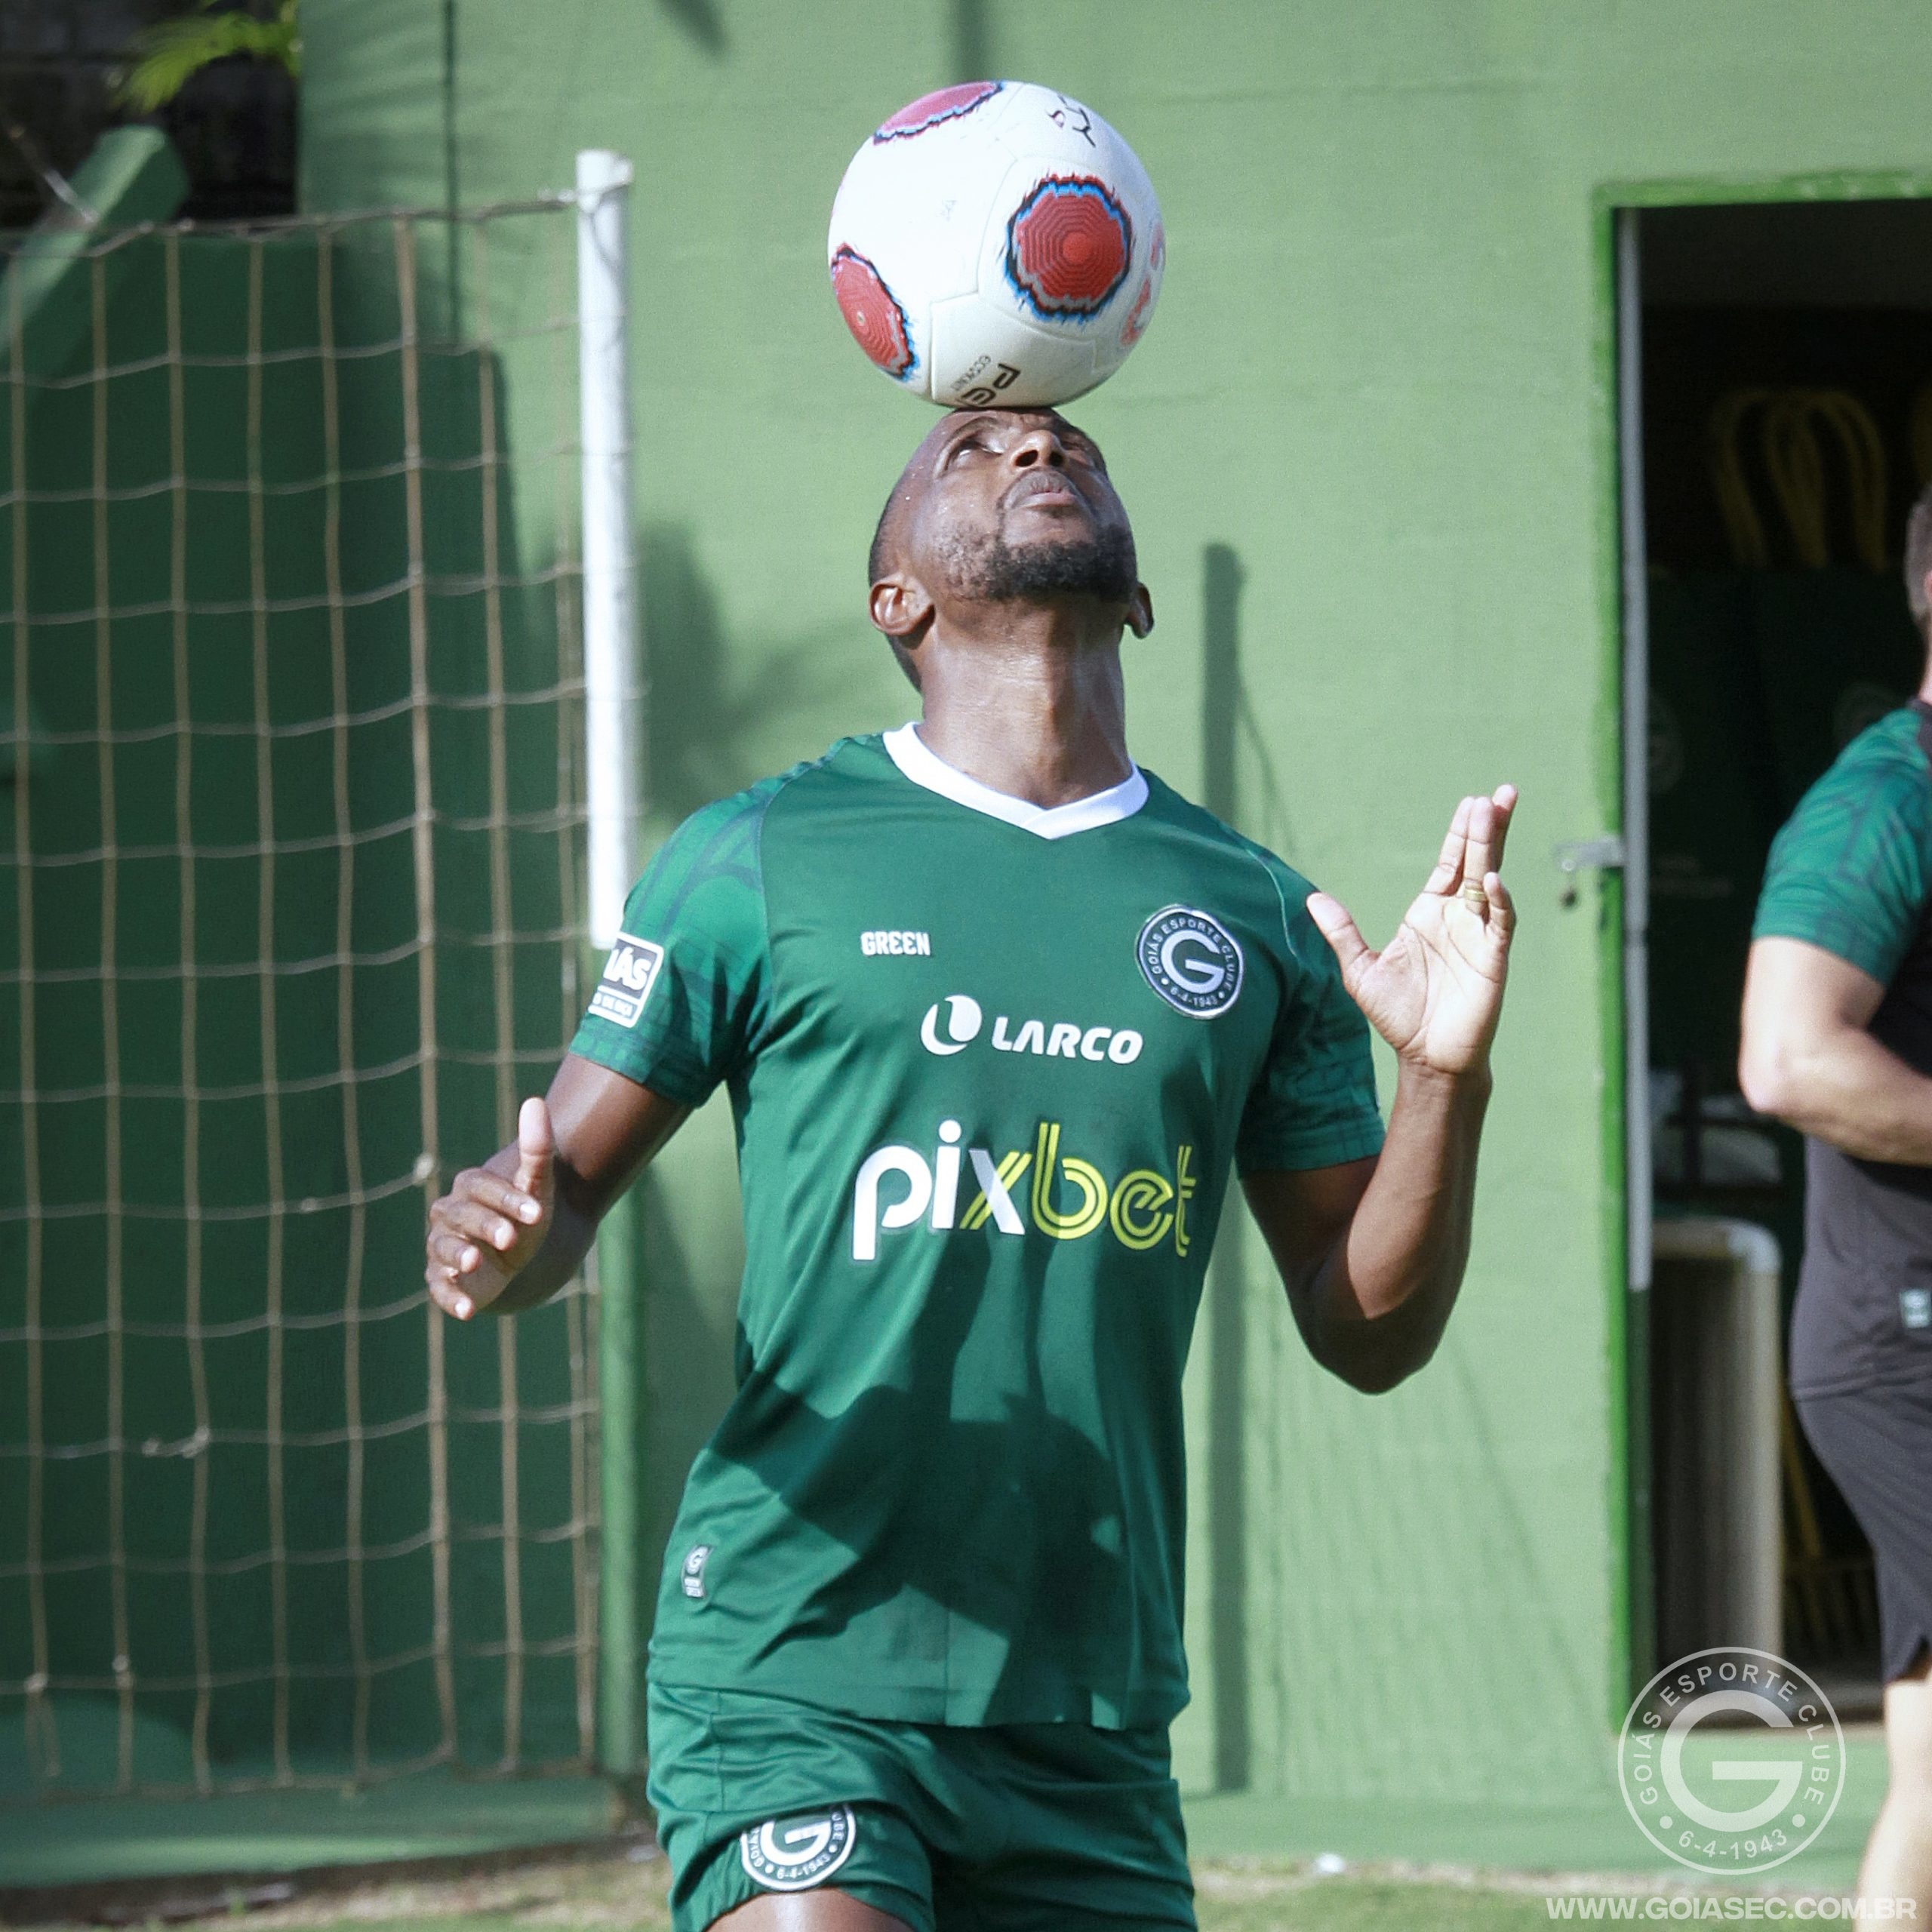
(895, 945)
(964, 1017)
(793, 1854)
(1191, 960)
(630, 974)
(1064, 1197)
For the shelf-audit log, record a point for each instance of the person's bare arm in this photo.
(1372, 1252)
(510, 1233)
(1806, 1058)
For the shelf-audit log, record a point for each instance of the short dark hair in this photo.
(878, 563)
(878, 559)
(1919, 558)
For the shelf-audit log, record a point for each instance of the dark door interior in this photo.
(1786, 411)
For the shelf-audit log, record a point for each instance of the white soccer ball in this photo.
(996, 244)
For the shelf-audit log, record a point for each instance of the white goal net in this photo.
(292, 737)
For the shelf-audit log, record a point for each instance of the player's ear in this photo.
(899, 605)
(1140, 611)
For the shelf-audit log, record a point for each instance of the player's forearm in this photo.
(1841, 1085)
(566, 1241)
(1385, 1293)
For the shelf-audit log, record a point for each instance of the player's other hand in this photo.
(490, 1225)
(1434, 992)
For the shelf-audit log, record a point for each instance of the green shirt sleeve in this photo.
(1852, 869)
(1314, 1105)
(687, 985)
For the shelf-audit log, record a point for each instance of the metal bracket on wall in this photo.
(56, 183)
(1605, 853)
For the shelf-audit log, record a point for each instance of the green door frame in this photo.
(1627, 1359)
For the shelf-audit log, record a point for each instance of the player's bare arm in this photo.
(1808, 1059)
(824, 1910)
(1372, 1253)
(509, 1233)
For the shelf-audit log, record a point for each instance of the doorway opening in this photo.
(1783, 422)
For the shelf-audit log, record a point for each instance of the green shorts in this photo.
(1012, 1827)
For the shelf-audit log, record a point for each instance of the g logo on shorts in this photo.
(1191, 960)
(794, 1853)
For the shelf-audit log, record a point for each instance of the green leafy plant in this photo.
(166, 57)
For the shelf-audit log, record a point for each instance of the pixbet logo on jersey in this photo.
(1143, 1208)
(964, 1017)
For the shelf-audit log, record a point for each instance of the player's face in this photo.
(1018, 503)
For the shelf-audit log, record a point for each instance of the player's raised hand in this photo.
(1435, 992)
(490, 1225)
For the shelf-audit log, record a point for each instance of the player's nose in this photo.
(1040, 444)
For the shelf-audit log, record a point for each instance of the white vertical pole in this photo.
(612, 709)
(613, 694)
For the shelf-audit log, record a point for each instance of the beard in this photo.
(1101, 566)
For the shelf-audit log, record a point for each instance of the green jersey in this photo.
(1851, 874)
(991, 1065)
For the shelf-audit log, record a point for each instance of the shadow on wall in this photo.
(702, 21)
(709, 733)
(1222, 703)
(971, 48)
(1271, 1420)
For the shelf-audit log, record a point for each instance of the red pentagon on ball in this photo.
(929, 109)
(1069, 246)
(871, 312)
(1135, 326)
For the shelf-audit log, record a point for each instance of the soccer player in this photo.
(999, 1012)
(1837, 1041)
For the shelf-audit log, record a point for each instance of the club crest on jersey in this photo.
(1191, 960)
(630, 974)
(793, 1854)
(691, 1575)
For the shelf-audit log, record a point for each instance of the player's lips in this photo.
(1042, 489)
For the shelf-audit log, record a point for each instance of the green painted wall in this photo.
(1378, 378)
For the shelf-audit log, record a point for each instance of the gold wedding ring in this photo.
(1474, 895)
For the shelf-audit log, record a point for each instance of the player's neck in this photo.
(1032, 705)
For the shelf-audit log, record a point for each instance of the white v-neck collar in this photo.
(924, 766)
